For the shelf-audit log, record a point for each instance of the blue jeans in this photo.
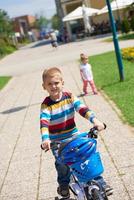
(63, 173)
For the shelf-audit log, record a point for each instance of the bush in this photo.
(132, 23)
(5, 47)
(125, 26)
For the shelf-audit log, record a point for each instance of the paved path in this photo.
(27, 173)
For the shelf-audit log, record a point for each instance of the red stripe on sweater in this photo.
(44, 122)
(61, 125)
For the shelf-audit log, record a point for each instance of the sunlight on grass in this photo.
(106, 75)
(3, 81)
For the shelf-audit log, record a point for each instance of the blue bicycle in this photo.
(80, 154)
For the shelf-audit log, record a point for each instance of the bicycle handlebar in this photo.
(93, 133)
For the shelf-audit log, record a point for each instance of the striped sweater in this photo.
(57, 117)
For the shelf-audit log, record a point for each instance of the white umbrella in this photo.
(86, 20)
(117, 4)
(77, 13)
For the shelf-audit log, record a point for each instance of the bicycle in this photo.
(80, 154)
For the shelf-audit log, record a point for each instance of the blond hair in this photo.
(50, 72)
(83, 56)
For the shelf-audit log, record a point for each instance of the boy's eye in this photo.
(55, 83)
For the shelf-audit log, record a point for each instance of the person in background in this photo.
(53, 38)
(86, 74)
(65, 35)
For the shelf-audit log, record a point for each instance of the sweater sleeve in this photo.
(82, 109)
(44, 122)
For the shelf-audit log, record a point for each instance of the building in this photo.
(99, 21)
(64, 7)
(25, 25)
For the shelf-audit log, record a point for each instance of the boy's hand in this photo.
(100, 126)
(46, 145)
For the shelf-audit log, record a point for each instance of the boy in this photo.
(86, 74)
(57, 119)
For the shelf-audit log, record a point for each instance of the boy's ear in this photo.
(43, 85)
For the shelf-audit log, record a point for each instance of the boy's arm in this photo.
(82, 109)
(44, 123)
(85, 112)
(100, 126)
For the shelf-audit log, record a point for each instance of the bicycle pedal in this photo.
(62, 198)
(109, 192)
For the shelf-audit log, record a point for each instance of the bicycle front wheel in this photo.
(96, 195)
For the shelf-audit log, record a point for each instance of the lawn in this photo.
(106, 75)
(3, 81)
(128, 36)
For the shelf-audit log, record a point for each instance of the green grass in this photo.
(3, 81)
(128, 36)
(106, 75)
(5, 50)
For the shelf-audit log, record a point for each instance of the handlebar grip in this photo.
(93, 133)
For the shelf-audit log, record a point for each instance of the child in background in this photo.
(86, 74)
(57, 120)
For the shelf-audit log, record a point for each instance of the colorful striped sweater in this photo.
(57, 117)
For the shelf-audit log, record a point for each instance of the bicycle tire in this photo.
(105, 198)
(96, 195)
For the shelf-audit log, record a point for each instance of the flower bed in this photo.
(128, 53)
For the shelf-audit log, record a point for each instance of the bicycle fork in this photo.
(77, 189)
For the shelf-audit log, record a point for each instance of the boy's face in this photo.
(54, 86)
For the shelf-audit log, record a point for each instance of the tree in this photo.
(5, 24)
(41, 21)
(55, 22)
(132, 23)
(125, 26)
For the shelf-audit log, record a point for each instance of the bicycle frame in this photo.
(82, 187)
(83, 183)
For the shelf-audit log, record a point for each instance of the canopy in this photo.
(116, 5)
(78, 14)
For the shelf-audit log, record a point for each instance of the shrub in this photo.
(132, 23)
(125, 26)
(5, 47)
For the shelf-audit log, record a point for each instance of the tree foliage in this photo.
(132, 23)
(5, 24)
(55, 22)
(41, 21)
(125, 26)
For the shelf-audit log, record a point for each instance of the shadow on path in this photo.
(17, 109)
(41, 43)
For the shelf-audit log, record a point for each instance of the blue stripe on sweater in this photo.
(64, 135)
(44, 116)
(62, 114)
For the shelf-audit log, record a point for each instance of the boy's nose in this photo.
(53, 86)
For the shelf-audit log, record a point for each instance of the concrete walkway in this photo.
(27, 173)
